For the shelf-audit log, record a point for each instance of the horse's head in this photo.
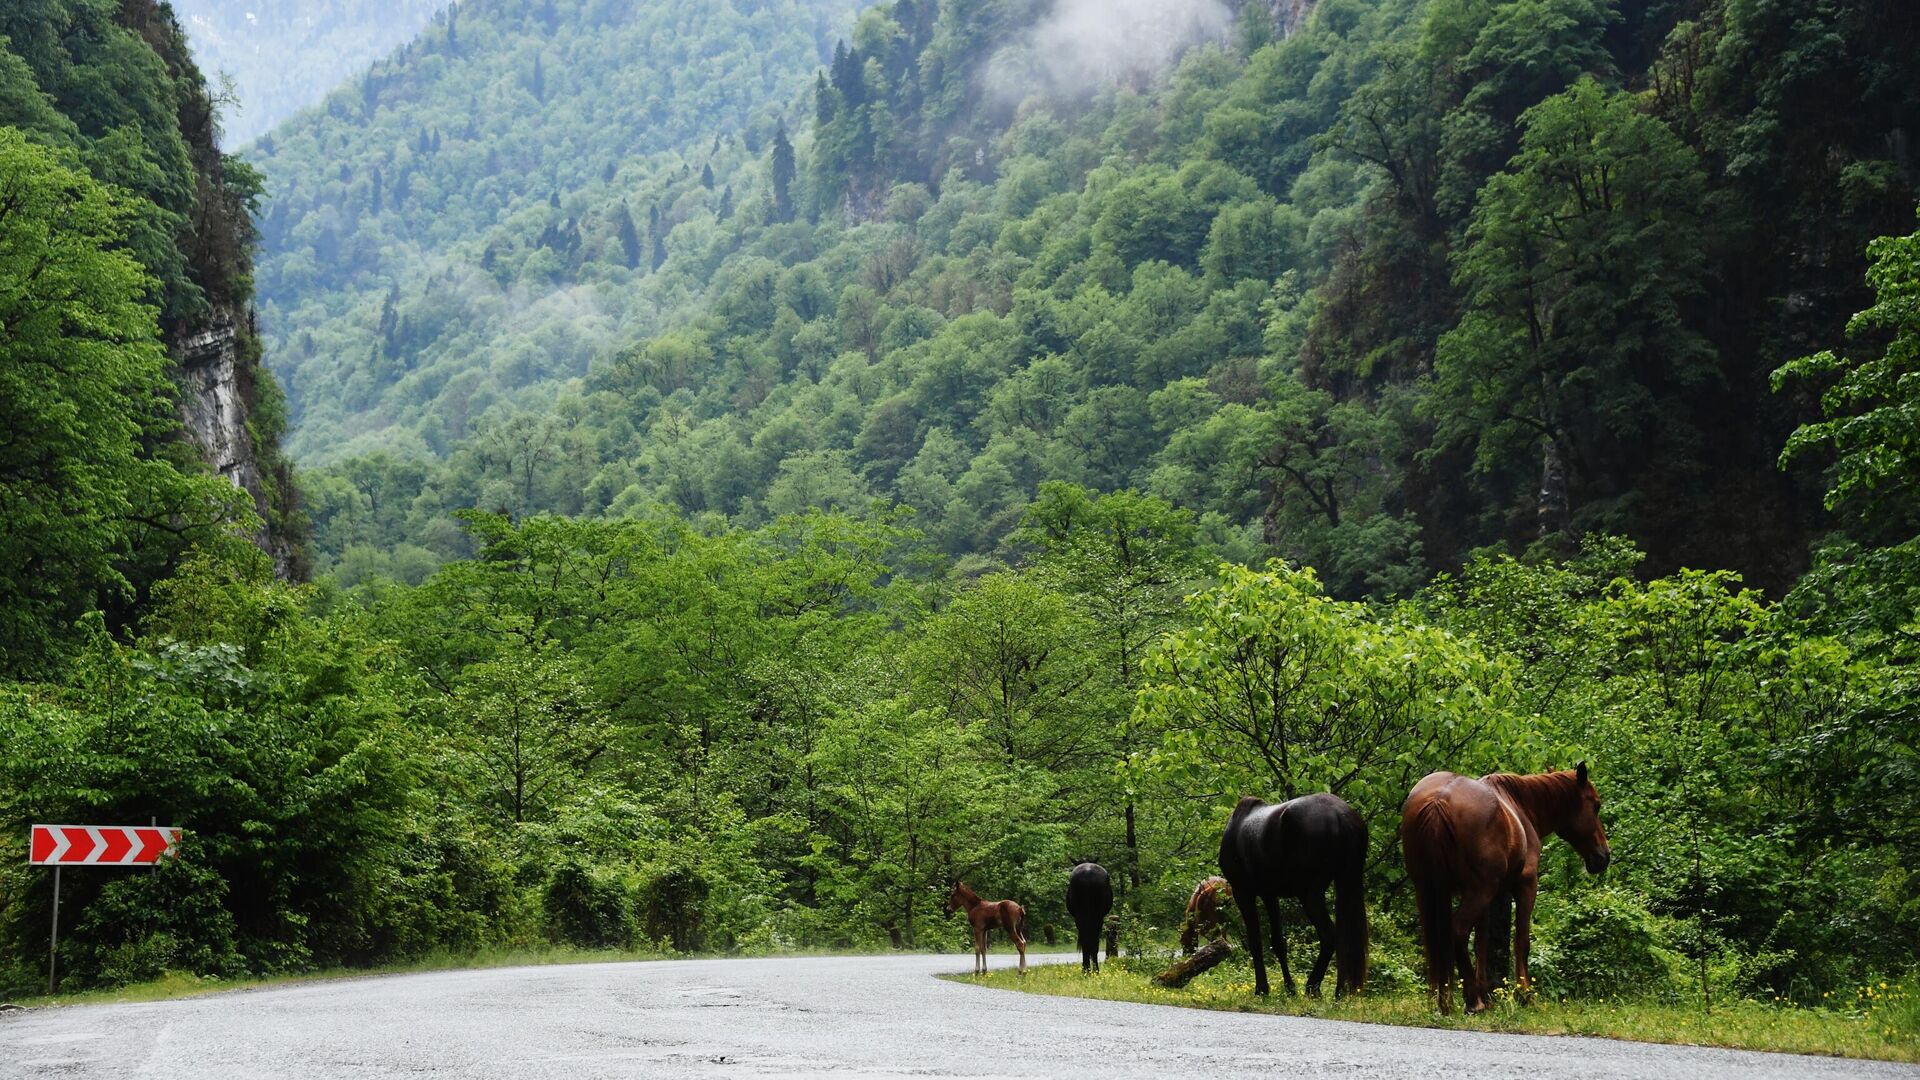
(956, 897)
(1583, 829)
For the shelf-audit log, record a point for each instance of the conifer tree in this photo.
(783, 170)
(629, 236)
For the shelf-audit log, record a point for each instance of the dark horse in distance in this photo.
(1206, 913)
(1480, 840)
(986, 916)
(1089, 898)
(1297, 848)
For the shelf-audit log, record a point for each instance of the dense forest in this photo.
(1028, 442)
(1267, 287)
(469, 217)
(269, 59)
(127, 237)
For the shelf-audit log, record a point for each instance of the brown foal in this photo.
(985, 915)
(1206, 913)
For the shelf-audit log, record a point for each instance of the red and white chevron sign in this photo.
(101, 845)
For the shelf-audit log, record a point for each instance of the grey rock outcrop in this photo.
(215, 388)
(1291, 15)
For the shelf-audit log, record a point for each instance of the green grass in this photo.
(1881, 1022)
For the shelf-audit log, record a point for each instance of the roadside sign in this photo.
(101, 845)
(61, 846)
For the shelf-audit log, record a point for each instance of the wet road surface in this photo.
(848, 1016)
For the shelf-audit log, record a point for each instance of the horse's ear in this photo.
(1580, 772)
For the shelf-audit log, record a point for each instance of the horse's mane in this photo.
(1548, 798)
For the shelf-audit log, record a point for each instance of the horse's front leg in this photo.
(1279, 931)
(979, 950)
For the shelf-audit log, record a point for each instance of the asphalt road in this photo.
(863, 1016)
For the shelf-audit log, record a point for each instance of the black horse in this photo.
(1297, 848)
(1089, 898)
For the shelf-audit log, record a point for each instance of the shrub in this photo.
(671, 905)
(589, 907)
(1601, 943)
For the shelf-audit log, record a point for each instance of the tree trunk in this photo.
(1187, 968)
(1133, 851)
(1553, 489)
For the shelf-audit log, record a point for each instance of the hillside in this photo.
(471, 217)
(119, 462)
(1274, 284)
(285, 55)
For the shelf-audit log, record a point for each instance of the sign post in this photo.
(60, 846)
(53, 943)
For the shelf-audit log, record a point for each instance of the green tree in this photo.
(531, 728)
(783, 174)
(1872, 405)
(1276, 690)
(1575, 346)
(1127, 560)
(84, 395)
(628, 234)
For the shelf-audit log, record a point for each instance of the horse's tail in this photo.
(1425, 836)
(1436, 923)
(1019, 923)
(1350, 923)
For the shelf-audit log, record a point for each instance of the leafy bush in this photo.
(671, 906)
(589, 907)
(1601, 943)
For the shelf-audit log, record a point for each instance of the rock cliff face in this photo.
(217, 377)
(1290, 15)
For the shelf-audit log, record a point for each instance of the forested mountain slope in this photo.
(471, 216)
(285, 55)
(1419, 278)
(113, 178)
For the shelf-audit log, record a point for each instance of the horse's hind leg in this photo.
(1523, 937)
(1467, 919)
(1316, 905)
(1250, 919)
(1019, 941)
(1498, 933)
(1278, 931)
(1436, 931)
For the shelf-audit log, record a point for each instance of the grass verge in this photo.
(1882, 1025)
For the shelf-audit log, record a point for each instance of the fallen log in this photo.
(1187, 968)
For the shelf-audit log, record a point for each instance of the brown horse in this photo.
(1206, 913)
(1480, 840)
(986, 915)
